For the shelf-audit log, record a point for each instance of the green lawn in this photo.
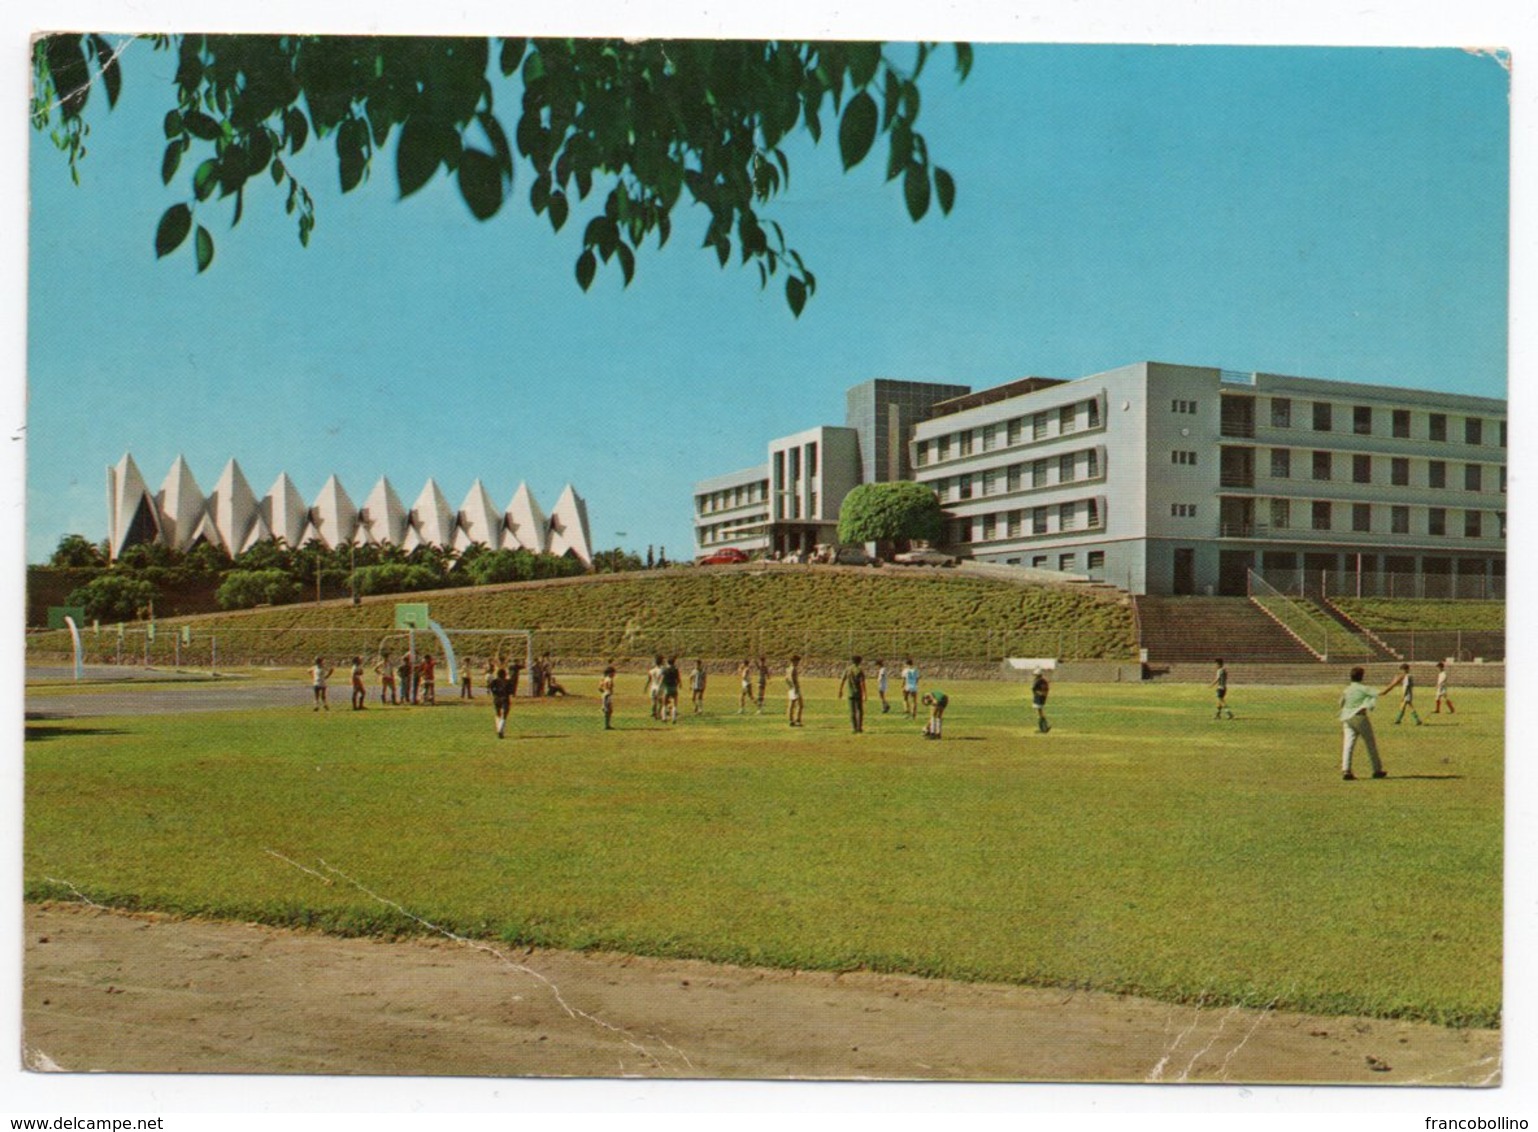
(1139, 847)
(1390, 614)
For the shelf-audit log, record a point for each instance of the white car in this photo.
(923, 556)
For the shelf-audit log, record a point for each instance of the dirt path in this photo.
(137, 993)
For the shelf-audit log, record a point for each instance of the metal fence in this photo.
(1348, 583)
(240, 647)
(1446, 644)
(1326, 638)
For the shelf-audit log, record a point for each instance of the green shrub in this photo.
(113, 597)
(890, 512)
(242, 589)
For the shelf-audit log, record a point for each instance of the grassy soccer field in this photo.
(1139, 847)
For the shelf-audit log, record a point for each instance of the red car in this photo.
(728, 556)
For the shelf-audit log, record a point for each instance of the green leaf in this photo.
(857, 129)
(200, 125)
(205, 178)
(169, 163)
(480, 183)
(916, 190)
(795, 294)
(205, 248)
(297, 128)
(587, 264)
(173, 124)
(111, 75)
(351, 160)
(420, 152)
(558, 209)
(626, 261)
(945, 189)
(277, 171)
(498, 139)
(174, 225)
(964, 60)
(864, 58)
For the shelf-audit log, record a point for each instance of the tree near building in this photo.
(243, 589)
(114, 597)
(642, 121)
(897, 512)
(77, 551)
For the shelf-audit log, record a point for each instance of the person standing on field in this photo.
(937, 701)
(854, 680)
(404, 671)
(763, 682)
(319, 673)
(1040, 687)
(501, 689)
(697, 686)
(359, 692)
(744, 686)
(910, 676)
(670, 682)
(606, 695)
(1355, 702)
(881, 686)
(429, 679)
(386, 673)
(1442, 696)
(795, 704)
(654, 686)
(1407, 697)
(1219, 682)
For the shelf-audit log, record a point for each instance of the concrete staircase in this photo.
(1192, 630)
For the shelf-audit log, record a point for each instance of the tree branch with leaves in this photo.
(630, 126)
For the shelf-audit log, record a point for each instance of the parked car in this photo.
(854, 556)
(923, 556)
(726, 556)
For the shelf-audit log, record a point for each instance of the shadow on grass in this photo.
(1427, 777)
(41, 731)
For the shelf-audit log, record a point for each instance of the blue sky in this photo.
(1332, 212)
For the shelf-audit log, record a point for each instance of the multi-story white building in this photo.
(1173, 479)
(1180, 479)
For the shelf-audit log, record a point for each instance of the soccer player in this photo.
(654, 686)
(1442, 696)
(464, 681)
(854, 679)
(318, 676)
(1040, 686)
(745, 686)
(606, 695)
(697, 686)
(404, 671)
(937, 701)
(501, 689)
(1220, 682)
(910, 676)
(359, 692)
(1355, 702)
(795, 705)
(763, 682)
(386, 672)
(1406, 682)
(881, 686)
(429, 682)
(670, 678)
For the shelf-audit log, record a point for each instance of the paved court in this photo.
(187, 692)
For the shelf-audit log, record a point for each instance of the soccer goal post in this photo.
(501, 647)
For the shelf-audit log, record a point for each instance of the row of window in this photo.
(1364, 420)
(1081, 514)
(726, 499)
(1067, 562)
(1071, 467)
(1362, 465)
(734, 531)
(1079, 416)
(1323, 512)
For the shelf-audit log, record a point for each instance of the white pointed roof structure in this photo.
(479, 520)
(334, 516)
(232, 509)
(180, 503)
(568, 527)
(526, 527)
(204, 531)
(383, 517)
(433, 521)
(131, 513)
(259, 532)
(284, 511)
